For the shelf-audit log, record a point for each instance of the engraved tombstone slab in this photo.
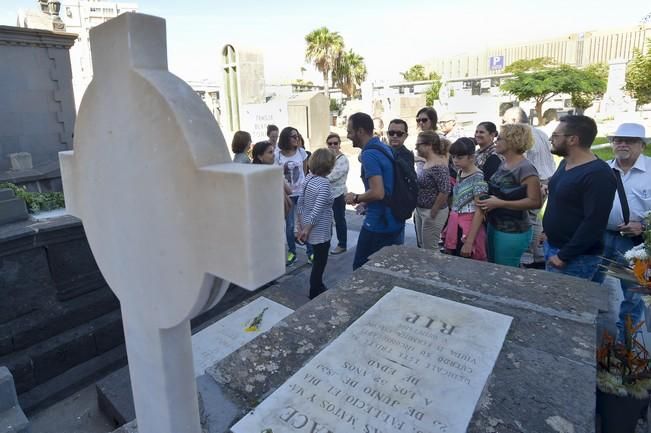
(170, 220)
(419, 366)
(230, 333)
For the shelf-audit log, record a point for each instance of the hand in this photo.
(490, 203)
(360, 209)
(542, 237)
(433, 212)
(466, 249)
(633, 228)
(556, 262)
(303, 234)
(350, 198)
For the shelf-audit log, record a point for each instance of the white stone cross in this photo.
(169, 218)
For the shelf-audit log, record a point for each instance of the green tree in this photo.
(588, 84)
(638, 76)
(417, 73)
(528, 65)
(432, 93)
(349, 72)
(543, 84)
(323, 49)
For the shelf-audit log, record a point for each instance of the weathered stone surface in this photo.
(12, 418)
(544, 376)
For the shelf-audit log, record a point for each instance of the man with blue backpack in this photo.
(390, 196)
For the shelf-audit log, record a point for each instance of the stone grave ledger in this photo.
(412, 363)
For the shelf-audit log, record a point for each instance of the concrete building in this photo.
(79, 16)
(577, 49)
(209, 92)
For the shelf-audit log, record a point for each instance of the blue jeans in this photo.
(339, 211)
(615, 246)
(289, 229)
(583, 266)
(371, 242)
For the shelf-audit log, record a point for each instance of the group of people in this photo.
(478, 197)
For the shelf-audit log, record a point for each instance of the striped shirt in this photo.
(315, 207)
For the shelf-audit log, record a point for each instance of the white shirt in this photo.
(637, 184)
(540, 154)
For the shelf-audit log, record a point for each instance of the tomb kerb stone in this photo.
(170, 220)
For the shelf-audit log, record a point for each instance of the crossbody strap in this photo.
(621, 192)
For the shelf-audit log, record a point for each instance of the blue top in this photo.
(379, 218)
(578, 207)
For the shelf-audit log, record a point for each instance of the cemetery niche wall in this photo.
(37, 115)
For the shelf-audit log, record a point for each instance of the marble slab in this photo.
(413, 363)
(230, 333)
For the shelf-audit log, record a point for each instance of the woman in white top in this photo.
(337, 179)
(293, 159)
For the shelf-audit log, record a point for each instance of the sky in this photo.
(390, 35)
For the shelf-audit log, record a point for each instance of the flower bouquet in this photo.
(623, 381)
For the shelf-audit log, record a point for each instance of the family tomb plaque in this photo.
(413, 363)
(233, 331)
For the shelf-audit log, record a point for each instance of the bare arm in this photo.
(533, 199)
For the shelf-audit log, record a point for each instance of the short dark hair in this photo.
(283, 138)
(271, 128)
(333, 135)
(258, 150)
(431, 115)
(489, 127)
(400, 122)
(463, 146)
(431, 138)
(241, 139)
(583, 127)
(362, 121)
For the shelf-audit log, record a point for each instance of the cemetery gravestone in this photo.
(420, 366)
(178, 222)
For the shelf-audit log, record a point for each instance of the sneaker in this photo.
(337, 250)
(291, 258)
(310, 258)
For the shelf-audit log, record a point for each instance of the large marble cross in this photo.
(170, 220)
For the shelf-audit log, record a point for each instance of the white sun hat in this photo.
(630, 130)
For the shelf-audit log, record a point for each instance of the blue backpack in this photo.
(403, 199)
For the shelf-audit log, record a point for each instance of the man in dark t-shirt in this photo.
(581, 193)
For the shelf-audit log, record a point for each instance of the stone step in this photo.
(12, 210)
(6, 194)
(12, 418)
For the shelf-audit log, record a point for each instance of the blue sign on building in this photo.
(495, 63)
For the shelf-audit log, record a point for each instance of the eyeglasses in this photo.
(625, 140)
(422, 120)
(554, 135)
(422, 144)
(443, 122)
(333, 143)
(395, 133)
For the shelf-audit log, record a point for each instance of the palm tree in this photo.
(349, 72)
(323, 48)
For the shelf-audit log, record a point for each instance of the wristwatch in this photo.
(356, 199)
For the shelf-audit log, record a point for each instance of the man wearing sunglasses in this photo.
(397, 133)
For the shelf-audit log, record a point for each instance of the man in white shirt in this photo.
(634, 170)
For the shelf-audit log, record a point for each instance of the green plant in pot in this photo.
(623, 381)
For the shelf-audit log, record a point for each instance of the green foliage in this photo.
(334, 106)
(37, 201)
(584, 85)
(417, 73)
(323, 48)
(527, 65)
(349, 72)
(638, 76)
(432, 93)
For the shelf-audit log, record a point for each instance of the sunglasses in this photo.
(333, 143)
(422, 120)
(395, 133)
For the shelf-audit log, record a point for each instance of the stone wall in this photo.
(37, 114)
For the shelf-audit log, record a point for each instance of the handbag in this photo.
(508, 194)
